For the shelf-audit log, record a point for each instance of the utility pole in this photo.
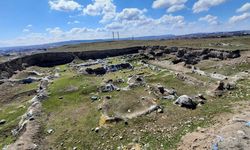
(113, 35)
(118, 36)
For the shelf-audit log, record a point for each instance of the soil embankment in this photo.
(50, 59)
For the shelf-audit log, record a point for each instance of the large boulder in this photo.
(180, 53)
(186, 101)
(230, 86)
(113, 68)
(234, 54)
(136, 80)
(108, 88)
(162, 92)
(96, 71)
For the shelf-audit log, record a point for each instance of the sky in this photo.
(30, 22)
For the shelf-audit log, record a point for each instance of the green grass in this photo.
(12, 111)
(84, 84)
(202, 78)
(229, 70)
(28, 87)
(170, 81)
(11, 114)
(243, 43)
(73, 117)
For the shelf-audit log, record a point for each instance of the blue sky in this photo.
(28, 22)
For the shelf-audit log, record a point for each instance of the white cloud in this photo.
(114, 26)
(64, 5)
(75, 31)
(131, 14)
(135, 19)
(29, 26)
(244, 8)
(26, 30)
(106, 8)
(171, 5)
(205, 5)
(239, 18)
(56, 34)
(55, 31)
(29, 39)
(175, 21)
(130, 22)
(74, 22)
(175, 8)
(213, 20)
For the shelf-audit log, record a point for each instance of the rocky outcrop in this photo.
(105, 69)
(188, 55)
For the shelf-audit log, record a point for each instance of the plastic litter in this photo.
(248, 124)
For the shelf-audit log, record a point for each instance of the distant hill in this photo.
(44, 47)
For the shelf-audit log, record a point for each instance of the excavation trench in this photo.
(50, 59)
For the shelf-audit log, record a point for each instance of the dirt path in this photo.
(229, 132)
(29, 126)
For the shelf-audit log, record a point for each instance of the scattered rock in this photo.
(222, 87)
(136, 80)
(108, 97)
(200, 99)
(186, 101)
(49, 131)
(160, 110)
(2, 122)
(120, 137)
(230, 86)
(29, 80)
(112, 68)
(162, 92)
(97, 129)
(169, 97)
(94, 98)
(96, 71)
(108, 88)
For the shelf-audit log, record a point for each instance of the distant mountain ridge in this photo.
(43, 47)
